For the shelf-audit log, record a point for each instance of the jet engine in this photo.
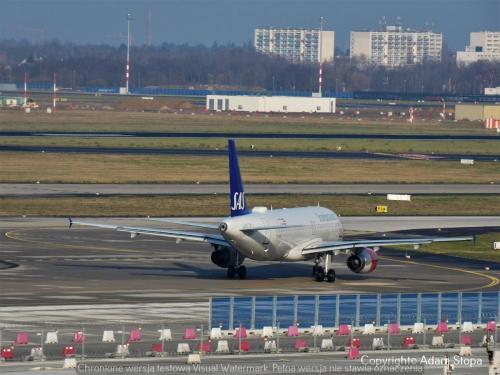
(363, 261)
(225, 257)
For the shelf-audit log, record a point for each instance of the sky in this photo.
(233, 21)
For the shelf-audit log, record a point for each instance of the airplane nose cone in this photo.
(223, 227)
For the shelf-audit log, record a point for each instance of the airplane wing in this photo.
(215, 239)
(354, 244)
(188, 223)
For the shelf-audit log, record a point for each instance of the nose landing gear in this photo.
(240, 271)
(322, 273)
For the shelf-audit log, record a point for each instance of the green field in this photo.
(217, 205)
(481, 249)
(103, 168)
(79, 120)
(342, 145)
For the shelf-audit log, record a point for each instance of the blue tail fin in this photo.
(238, 202)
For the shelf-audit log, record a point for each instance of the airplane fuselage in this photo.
(290, 230)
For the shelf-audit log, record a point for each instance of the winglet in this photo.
(70, 222)
(238, 201)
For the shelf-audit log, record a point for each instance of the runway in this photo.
(41, 190)
(252, 135)
(58, 266)
(216, 152)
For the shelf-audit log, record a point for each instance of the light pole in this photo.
(127, 70)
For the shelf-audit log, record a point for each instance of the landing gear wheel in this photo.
(231, 272)
(320, 274)
(330, 276)
(242, 272)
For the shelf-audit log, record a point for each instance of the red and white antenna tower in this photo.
(54, 95)
(320, 42)
(127, 69)
(25, 89)
(150, 32)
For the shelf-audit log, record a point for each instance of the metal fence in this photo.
(357, 309)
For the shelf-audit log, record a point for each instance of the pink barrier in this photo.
(491, 326)
(466, 340)
(343, 330)
(78, 337)
(353, 353)
(22, 338)
(245, 346)
(205, 347)
(293, 331)
(409, 341)
(355, 343)
(241, 333)
(189, 333)
(394, 328)
(135, 335)
(442, 327)
(300, 344)
(156, 348)
(69, 351)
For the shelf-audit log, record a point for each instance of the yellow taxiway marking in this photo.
(493, 280)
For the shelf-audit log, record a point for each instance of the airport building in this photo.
(476, 112)
(483, 46)
(269, 104)
(296, 45)
(395, 46)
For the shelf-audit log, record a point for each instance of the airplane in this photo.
(282, 235)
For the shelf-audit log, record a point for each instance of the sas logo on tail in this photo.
(238, 201)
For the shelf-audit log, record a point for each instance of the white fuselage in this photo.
(302, 227)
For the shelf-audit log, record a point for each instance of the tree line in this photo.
(229, 66)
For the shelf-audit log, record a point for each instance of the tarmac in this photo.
(53, 277)
(40, 190)
(494, 137)
(43, 263)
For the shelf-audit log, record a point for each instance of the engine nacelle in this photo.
(225, 257)
(363, 261)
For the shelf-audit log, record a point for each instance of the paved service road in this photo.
(267, 154)
(159, 189)
(492, 137)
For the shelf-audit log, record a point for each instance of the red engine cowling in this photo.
(363, 261)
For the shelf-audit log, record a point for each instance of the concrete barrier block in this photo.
(51, 337)
(418, 328)
(183, 348)
(369, 329)
(165, 334)
(327, 344)
(216, 333)
(69, 363)
(318, 330)
(222, 347)
(267, 332)
(108, 336)
(467, 327)
(193, 359)
(465, 351)
(437, 341)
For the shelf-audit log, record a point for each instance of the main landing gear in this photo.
(321, 273)
(240, 271)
